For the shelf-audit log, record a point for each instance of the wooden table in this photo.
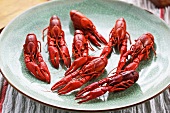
(11, 8)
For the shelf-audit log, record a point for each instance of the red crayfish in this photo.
(56, 43)
(118, 35)
(81, 22)
(91, 69)
(117, 82)
(80, 51)
(123, 78)
(80, 46)
(138, 51)
(33, 59)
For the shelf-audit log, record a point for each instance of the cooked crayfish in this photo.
(118, 36)
(33, 59)
(80, 51)
(56, 43)
(114, 83)
(138, 51)
(92, 69)
(80, 46)
(81, 22)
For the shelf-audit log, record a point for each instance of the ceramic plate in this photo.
(154, 72)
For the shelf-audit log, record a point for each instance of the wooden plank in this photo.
(11, 8)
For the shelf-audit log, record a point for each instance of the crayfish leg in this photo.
(76, 64)
(73, 84)
(92, 94)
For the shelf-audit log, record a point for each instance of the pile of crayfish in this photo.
(85, 67)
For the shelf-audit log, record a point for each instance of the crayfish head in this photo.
(55, 21)
(80, 21)
(135, 74)
(130, 75)
(31, 44)
(78, 32)
(120, 24)
(73, 12)
(147, 39)
(56, 32)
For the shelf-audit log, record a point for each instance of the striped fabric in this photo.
(11, 101)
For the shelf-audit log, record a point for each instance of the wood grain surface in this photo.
(11, 8)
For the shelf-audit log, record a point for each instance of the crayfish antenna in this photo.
(43, 33)
(72, 85)
(129, 37)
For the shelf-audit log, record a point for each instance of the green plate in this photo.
(154, 72)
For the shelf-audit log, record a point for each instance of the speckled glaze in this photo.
(154, 73)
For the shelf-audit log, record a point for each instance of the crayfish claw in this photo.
(47, 76)
(67, 61)
(65, 55)
(88, 88)
(57, 85)
(62, 82)
(76, 64)
(100, 37)
(72, 85)
(86, 96)
(93, 39)
(54, 56)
